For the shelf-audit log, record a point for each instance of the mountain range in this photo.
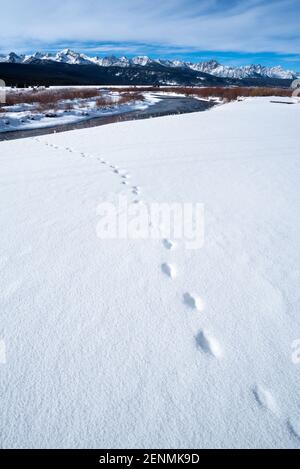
(69, 68)
(211, 67)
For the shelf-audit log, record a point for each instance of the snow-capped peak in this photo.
(12, 57)
(141, 60)
(212, 67)
(249, 71)
(70, 57)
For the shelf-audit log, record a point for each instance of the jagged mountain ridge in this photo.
(211, 67)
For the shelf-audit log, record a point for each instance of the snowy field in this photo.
(100, 347)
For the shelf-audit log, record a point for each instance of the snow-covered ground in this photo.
(27, 116)
(102, 348)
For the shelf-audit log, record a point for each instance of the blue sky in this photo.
(231, 31)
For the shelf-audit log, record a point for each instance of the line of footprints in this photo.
(205, 341)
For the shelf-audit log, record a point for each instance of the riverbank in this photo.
(163, 106)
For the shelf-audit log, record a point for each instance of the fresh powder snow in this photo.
(144, 343)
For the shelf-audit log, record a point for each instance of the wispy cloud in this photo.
(252, 26)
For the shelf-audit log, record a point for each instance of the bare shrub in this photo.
(223, 93)
(49, 96)
(46, 107)
(231, 93)
(67, 106)
(126, 98)
(53, 99)
(104, 101)
(123, 98)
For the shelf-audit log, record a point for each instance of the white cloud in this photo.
(248, 25)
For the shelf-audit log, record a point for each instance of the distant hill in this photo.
(19, 71)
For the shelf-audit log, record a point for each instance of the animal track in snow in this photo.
(209, 344)
(168, 244)
(294, 427)
(169, 270)
(265, 399)
(136, 190)
(193, 302)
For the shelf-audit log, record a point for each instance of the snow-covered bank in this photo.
(105, 350)
(27, 116)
